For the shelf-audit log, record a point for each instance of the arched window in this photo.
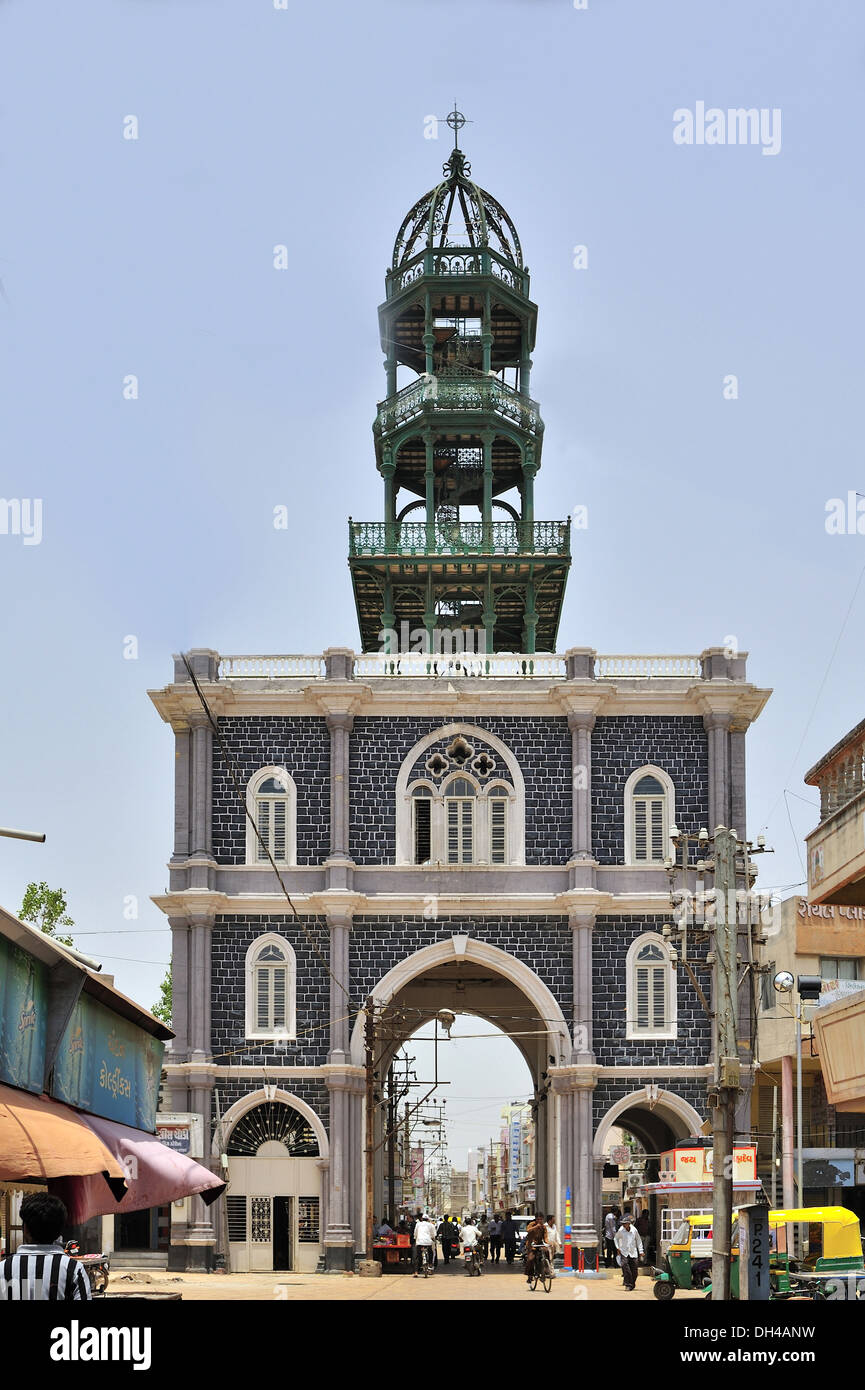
(271, 797)
(459, 798)
(651, 989)
(270, 989)
(274, 1128)
(649, 813)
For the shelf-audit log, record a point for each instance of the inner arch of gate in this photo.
(471, 977)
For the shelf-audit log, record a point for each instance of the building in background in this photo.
(822, 936)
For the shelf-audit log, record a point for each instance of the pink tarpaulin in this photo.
(155, 1175)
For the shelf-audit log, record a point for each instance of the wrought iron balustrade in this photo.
(459, 260)
(459, 538)
(458, 389)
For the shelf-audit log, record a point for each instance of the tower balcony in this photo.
(470, 538)
(457, 262)
(458, 391)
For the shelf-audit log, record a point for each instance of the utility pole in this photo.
(391, 1143)
(727, 1069)
(369, 1039)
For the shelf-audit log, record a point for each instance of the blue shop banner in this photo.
(23, 1017)
(107, 1065)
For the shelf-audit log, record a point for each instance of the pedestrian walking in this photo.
(509, 1238)
(484, 1237)
(611, 1225)
(495, 1239)
(630, 1247)
(40, 1270)
(553, 1239)
(445, 1234)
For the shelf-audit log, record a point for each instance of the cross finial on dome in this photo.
(456, 120)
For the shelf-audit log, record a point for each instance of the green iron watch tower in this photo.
(458, 447)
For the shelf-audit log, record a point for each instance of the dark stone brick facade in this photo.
(302, 746)
(610, 941)
(542, 747)
(542, 943)
(620, 744)
(232, 936)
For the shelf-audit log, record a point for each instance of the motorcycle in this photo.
(95, 1266)
(473, 1260)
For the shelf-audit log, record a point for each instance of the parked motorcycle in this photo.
(95, 1266)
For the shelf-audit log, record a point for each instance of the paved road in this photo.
(450, 1283)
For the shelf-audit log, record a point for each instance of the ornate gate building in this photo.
(436, 822)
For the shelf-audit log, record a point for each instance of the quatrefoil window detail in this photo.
(460, 751)
(484, 764)
(437, 765)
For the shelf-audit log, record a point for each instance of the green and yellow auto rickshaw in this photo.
(834, 1251)
(833, 1244)
(688, 1261)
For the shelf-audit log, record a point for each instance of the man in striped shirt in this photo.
(40, 1269)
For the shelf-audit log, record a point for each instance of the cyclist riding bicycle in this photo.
(535, 1236)
(424, 1243)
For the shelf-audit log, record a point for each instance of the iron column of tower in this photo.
(458, 561)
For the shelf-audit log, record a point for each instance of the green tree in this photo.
(162, 1008)
(46, 908)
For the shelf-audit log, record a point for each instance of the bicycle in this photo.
(426, 1265)
(542, 1269)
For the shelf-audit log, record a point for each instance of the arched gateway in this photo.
(462, 818)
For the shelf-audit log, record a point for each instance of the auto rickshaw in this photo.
(834, 1251)
(688, 1261)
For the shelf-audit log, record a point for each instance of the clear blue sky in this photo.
(306, 127)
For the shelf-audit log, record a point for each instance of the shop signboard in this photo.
(181, 1132)
(107, 1065)
(23, 1017)
(515, 1153)
(689, 1165)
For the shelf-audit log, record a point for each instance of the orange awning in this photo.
(41, 1139)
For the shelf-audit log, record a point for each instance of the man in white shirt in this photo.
(470, 1235)
(424, 1242)
(610, 1227)
(551, 1236)
(629, 1246)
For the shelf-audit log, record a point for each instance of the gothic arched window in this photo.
(651, 989)
(649, 813)
(271, 798)
(270, 989)
(460, 799)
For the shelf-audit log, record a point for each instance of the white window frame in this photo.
(630, 814)
(271, 1034)
(263, 774)
(670, 1030)
(507, 772)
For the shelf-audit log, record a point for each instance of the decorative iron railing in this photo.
(458, 389)
(458, 260)
(459, 538)
(645, 667)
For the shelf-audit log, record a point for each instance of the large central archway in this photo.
(471, 977)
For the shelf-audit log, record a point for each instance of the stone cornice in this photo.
(453, 698)
(194, 903)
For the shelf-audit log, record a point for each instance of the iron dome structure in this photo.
(459, 445)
